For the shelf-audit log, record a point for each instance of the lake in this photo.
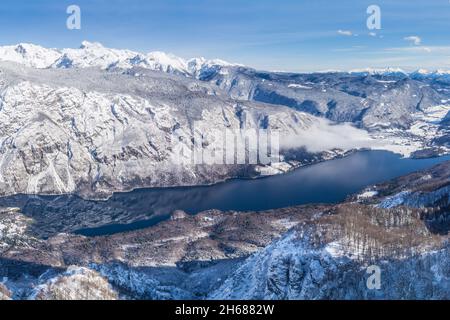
(327, 182)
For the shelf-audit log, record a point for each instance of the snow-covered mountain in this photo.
(94, 54)
(380, 71)
(366, 97)
(437, 76)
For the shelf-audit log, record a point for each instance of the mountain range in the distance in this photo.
(94, 54)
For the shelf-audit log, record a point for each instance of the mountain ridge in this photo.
(42, 57)
(94, 54)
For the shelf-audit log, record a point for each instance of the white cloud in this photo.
(345, 32)
(372, 34)
(327, 136)
(414, 39)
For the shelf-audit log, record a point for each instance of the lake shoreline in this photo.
(138, 224)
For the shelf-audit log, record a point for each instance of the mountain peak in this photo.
(29, 55)
(21, 48)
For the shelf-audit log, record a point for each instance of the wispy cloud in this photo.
(347, 33)
(422, 49)
(353, 48)
(414, 39)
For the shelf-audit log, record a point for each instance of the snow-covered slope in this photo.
(293, 268)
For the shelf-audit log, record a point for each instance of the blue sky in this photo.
(291, 35)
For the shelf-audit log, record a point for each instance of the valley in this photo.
(325, 182)
(93, 207)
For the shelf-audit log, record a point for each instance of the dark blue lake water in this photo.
(326, 182)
